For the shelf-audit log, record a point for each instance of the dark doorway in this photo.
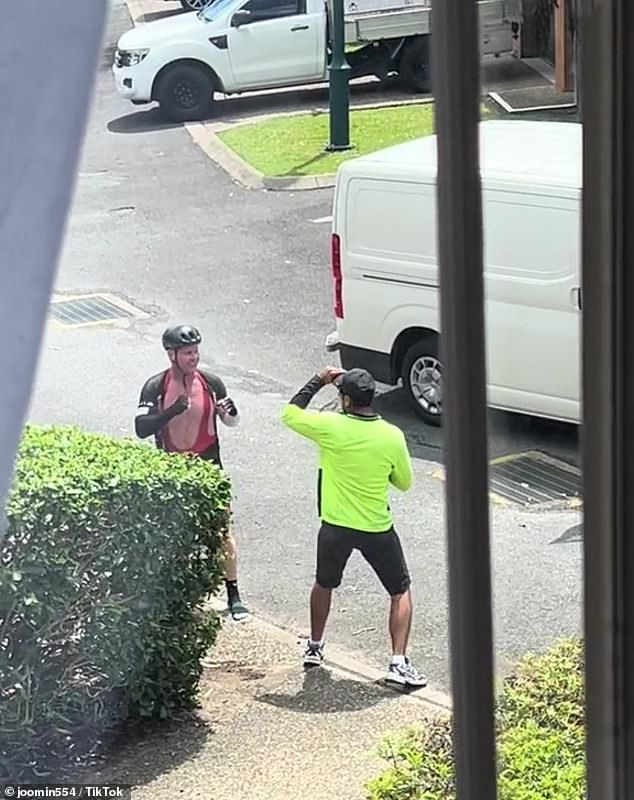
(545, 31)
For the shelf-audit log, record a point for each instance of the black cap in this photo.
(359, 385)
(181, 336)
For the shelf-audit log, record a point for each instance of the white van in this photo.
(385, 272)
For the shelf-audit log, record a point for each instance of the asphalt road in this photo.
(154, 221)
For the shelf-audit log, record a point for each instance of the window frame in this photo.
(607, 89)
(456, 71)
(606, 67)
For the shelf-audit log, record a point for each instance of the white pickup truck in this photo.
(234, 46)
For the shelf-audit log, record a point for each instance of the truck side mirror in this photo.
(242, 17)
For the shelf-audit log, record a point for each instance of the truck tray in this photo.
(373, 20)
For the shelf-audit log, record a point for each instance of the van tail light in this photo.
(335, 260)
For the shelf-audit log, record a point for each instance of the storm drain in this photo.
(532, 479)
(92, 309)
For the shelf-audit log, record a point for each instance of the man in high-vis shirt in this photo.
(361, 456)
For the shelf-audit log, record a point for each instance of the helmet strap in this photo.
(177, 367)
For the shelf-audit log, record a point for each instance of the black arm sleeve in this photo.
(307, 392)
(149, 420)
(150, 424)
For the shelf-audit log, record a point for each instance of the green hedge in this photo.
(540, 737)
(111, 548)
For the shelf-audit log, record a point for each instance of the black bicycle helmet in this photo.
(181, 336)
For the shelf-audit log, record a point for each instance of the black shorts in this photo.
(212, 454)
(382, 551)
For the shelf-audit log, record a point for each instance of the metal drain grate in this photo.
(91, 309)
(533, 478)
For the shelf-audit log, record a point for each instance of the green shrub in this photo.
(537, 763)
(548, 689)
(540, 739)
(420, 764)
(111, 547)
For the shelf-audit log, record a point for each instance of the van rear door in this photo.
(387, 230)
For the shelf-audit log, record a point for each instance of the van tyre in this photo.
(185, 93)
(422, 379)
(415, 68)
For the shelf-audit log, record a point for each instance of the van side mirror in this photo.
(242, 17)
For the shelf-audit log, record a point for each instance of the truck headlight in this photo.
(129, 58)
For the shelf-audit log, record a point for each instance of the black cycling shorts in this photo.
(382, 551)
(212, 454)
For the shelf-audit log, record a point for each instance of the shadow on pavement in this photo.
(424, 441)
(508, 433)
(145, 751)
(306, 98)
(532, 432)
(144, 121)
(298, 169)
(236, 108)
(323, 694)
(154, 15)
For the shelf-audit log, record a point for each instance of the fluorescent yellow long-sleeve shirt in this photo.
(360, 457)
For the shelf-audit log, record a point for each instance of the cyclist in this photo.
(361, 455)
(180, 407)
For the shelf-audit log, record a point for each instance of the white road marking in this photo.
(321, 220)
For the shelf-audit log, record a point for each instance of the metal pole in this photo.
(456, 70)
(607, 90)
(339, 73)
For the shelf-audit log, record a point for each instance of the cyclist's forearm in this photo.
(231, 420)
(150, 424)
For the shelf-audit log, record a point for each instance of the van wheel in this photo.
(422, 380)
(415, 68)
(185, 93)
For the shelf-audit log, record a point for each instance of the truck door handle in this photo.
(575, 295)
(300, 28)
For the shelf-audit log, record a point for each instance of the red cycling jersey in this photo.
(206, 436)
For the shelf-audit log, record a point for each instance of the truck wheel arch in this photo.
(402, 344)
(192, 62)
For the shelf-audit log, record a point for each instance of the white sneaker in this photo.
(313, 655)
(239, 612)
(405, 674)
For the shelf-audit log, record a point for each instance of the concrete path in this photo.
(267, 730)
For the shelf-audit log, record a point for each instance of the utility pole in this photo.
(339, 72)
